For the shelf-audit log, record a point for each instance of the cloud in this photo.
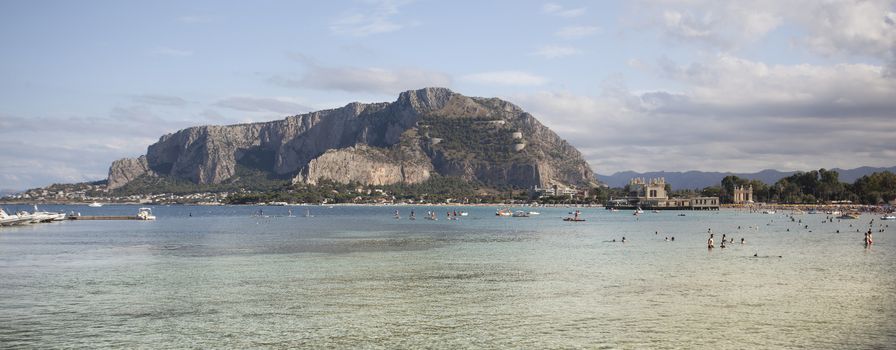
(554, 51)
(858, 28)
(509, 78)
(558, 10)
(575, 32)
(262, 104)
(732, 114)
(161, 100)
(357, 79)
(380, 18)
(172, 52)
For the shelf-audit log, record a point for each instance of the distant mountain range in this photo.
(701, 179)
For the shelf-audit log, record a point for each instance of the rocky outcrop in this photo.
(125, 170)
(366, 165)
(426, 131)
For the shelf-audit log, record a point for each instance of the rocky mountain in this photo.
(425, 132)
(701, 179)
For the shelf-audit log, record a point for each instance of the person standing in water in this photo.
(710, 243)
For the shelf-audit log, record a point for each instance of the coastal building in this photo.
(743, 195)
(651, 194)
(556, 191)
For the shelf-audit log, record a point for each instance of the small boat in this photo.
(888, 217)
(14, 219)
(574, 218)
(655, 211)
(504, 212)
(813, 211)
(45, 216)
(95, 205)
(463, 213)
(681, 214)
(639, 211)
(849, 216)
(145, 214)
(520, 214)
(768, 211)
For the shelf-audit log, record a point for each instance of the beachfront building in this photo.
(743, 195)
(557, 191)
(651, 194)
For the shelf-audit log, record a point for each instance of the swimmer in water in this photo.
(743, 241)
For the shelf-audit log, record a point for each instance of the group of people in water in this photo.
(431, 215)
(711, 242)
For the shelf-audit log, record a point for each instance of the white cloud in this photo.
(356, 79)
(559, 10)
(554, 51)
(380, 18)
(161, 100)
(733, 114)
(262, 104)
(575, 32)
(509, 78)
(865, 28)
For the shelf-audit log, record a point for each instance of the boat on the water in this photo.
(849, 216)
(504, 212)
(45, 216)
(520, 214)
(12, 219)
(769, 211)
(574, 218)
(888, 217)
(145, 214)
(95, 205)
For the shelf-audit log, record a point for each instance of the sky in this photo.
(644, 85)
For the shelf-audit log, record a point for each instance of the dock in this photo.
(118, 217)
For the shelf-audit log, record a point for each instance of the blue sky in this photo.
(635, 85)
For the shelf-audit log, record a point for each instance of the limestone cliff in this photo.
(125, 170)
(426, 131)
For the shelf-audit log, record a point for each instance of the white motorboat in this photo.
(534, 213)
(769, 211)
(504, 212)
(888, 217)
(520, 214)
(45, 216)
(145, 214)
(14, 219)
(95, 205)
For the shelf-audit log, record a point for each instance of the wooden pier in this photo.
(119, 217)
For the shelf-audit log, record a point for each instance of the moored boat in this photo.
(520, 214)
(145, 214)
(504, 212)
(95, 205)
(888, 217)
(849, 216)
(12, 219)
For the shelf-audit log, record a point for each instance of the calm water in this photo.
(356, 277)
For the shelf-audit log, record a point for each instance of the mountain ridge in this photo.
(694, 179)
(423, 133)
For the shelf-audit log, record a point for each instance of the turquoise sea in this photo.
(355, 277)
